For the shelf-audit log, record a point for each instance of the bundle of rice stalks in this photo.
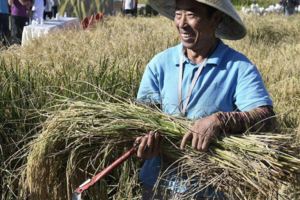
(245, 167)
(82, 137)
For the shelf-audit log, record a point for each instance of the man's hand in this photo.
(149, 145)
(202, 133)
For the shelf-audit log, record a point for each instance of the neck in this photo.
(198, 55)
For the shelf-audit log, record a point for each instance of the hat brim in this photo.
(230, 28)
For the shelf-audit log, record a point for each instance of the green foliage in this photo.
(83, 8)
(249, 2)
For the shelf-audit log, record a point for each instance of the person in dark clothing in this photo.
(55, 8)
(48, 9)
(130, 7)
(20, 10)
(289, 6)
(4, 22)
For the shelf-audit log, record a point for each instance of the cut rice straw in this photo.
(82, 137)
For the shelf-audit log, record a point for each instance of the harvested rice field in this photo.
(67, 110)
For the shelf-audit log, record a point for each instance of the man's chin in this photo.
(188, 45)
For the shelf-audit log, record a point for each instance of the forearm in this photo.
(258, 119)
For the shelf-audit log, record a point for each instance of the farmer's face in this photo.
(194, 26)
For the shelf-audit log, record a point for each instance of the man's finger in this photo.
(200, 141)
(142, 147)
(206, 141)
(187, 137)
(150, 141)
(195, 141)
(157, 142)
(138, 140)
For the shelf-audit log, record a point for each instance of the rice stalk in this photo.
(84, 136)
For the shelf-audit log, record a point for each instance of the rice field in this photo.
(110, 59)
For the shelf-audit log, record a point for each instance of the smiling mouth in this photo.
(186, 36)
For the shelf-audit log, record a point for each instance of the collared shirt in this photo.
(3, 6)
(228, 82)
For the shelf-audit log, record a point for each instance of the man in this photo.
(19, 18)
(202, 79)
(4, 14)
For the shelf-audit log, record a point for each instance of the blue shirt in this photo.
(228, 82)
(3, 6)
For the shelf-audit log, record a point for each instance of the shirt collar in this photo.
(214, 59)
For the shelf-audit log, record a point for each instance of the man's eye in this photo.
(190, 14)
(178, 13)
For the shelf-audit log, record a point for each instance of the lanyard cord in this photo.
(184, 106)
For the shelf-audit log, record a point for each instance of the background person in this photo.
(38, 10)
(48, 9)
(20, 11)
(130, 7)
(217, 87)
(54, 8)
(4, 22)
(289, 6)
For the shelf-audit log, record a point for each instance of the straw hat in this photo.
(231, 27)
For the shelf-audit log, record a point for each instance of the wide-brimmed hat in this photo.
(230, 28)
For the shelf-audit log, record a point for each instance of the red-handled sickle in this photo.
(88, 183)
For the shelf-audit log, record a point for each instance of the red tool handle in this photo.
(105, 171)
